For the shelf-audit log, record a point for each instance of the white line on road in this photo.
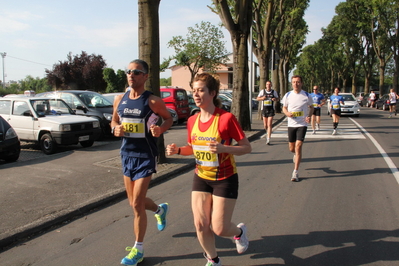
(384, 155)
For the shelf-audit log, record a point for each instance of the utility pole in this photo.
(3, 55)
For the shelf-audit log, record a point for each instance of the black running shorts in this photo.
(226, 188)
(296, 133)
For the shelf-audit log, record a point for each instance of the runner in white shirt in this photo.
(372, 98)
(298, 107)
(393, 96)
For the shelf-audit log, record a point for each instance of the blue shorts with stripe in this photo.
(136, 168)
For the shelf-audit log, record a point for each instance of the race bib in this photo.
(315, 105)
(297, 114)
(204, 157)
(133, 127)
(336, 106)
(267, 102)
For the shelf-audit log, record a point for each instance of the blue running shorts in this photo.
(136, 168)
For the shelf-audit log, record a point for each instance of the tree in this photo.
(202, 48)
(115, 82)
(149, 52)
(236, 17)
(81, 72)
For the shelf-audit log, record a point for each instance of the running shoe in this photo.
(317, 126)
(242, 242)
(268, 141)
(334, 132)
(211, 262)
(134, 257)
(389, 116)
(314, 132)
(161, 218)
(295, 177)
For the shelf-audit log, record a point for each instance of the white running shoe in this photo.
(317, 126)
(334, 132)
(268, 141)
(314, 132)
(295, 177)
(242, 242)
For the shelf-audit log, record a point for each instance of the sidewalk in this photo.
(46, 192)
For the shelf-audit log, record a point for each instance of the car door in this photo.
(21, 120)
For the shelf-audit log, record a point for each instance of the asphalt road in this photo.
(343, 211)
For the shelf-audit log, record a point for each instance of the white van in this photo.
(50, 122)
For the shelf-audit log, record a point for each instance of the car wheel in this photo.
(87, 143)
(47, 144)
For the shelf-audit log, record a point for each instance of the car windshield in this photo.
(94, 99)
(45, 107)
(349, 98)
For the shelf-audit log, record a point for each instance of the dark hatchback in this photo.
(87, 103)
(10, 146)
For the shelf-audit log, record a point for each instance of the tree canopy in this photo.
(79, 72)
(202, 48)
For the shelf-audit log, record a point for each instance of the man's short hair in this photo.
(297, 76)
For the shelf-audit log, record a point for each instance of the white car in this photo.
(49, 122)
(351, 106)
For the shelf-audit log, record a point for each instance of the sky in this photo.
(35, 35)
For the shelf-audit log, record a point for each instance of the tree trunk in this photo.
(240, 106)
(149, 52)
(239, 30)
(382, 76)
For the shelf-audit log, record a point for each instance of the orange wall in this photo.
(181, 77)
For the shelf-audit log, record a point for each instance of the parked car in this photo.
(383, 103)
(350, 107)
(50, 122)
(193, 107)
(111, 97)
(10, 146)
(176, 98)
(87, 103)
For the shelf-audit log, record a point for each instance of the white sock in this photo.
(139, 246)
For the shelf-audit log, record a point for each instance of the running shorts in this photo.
(268, 112)
(226, 188)
(317, 111)
(296, 133)
(136, 168)
(336, 112)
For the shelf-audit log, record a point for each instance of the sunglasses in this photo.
(134, 71)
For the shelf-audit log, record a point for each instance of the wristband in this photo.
(178, 151)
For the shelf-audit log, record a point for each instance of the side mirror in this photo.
(27, 113)
(80, 107)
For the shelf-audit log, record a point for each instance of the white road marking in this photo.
(384, 155)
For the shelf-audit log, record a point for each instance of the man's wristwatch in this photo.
(112, 130)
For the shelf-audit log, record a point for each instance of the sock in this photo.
(139, 246)
(216, 260)
(159, 211)
(336, 125)
(295, 171)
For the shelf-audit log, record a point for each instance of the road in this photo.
(343, 211)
